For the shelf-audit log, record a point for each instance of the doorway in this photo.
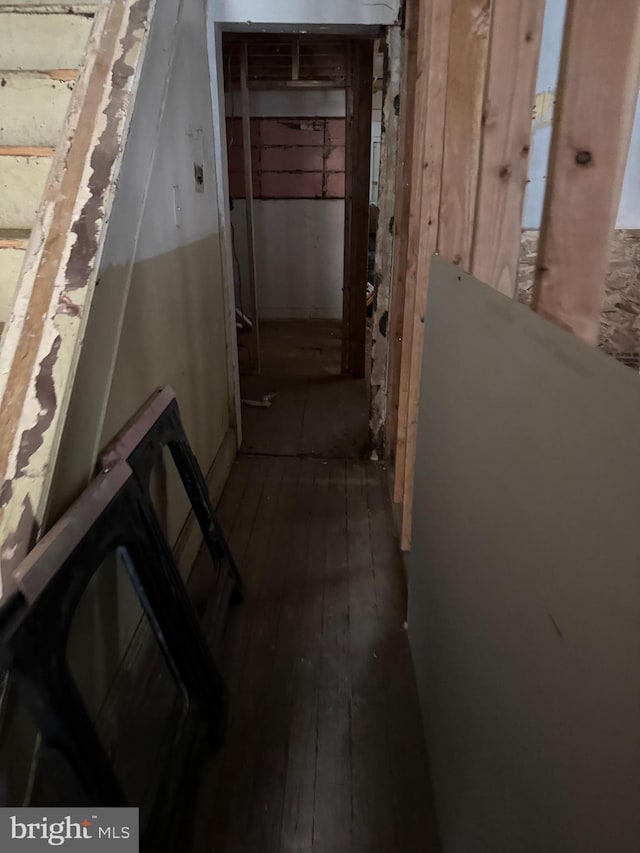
(299, 112)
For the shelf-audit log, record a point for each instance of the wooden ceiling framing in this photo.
(286, 61)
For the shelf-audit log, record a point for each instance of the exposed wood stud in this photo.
(516, 34)
(431, 99)
(596, 98)
(295, 59)
(468, 59)
(254, 340)
(348, 180)
(384, 241)
(440, 98)
(357, 234)
(403, 183)
(424, 13)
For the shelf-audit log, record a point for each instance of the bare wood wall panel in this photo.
(468, 56)
(425, 15)
(597, 93)
(516, 34)
(403, 194)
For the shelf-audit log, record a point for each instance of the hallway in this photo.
(315, 411)
(324, 749)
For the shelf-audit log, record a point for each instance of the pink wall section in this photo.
(291, 157)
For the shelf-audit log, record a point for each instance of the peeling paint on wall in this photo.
(40, 347)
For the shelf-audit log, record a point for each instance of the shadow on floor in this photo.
(314, 411)
(324, 749)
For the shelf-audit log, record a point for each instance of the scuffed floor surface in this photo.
(314, 410)
(324, 749)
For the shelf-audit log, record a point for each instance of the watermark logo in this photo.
(36, 830)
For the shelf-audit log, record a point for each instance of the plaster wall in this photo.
(299, 257)
(160, 314)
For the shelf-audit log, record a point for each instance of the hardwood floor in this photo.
(324, 749)
(315, 411)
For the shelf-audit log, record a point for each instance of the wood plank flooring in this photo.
(315, 411)
(324, 749)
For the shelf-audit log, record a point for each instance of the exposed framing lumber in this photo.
(468, 59)
(384, 239)
(348, 178)
(403, 185)
(295, 59)
(440, 101)
(254, 340)
(428, 136)
(596, 98)
(409, 262)
(516, 34)
(359, 164)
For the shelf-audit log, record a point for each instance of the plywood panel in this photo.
(524, 591)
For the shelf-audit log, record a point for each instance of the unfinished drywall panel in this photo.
(524, 592)
(332, 13)
(299, 257)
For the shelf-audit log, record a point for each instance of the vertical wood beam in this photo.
(425, 13)
(468, 59)
(295, 59)
(384, 239)
(248, 184)
(348, 180)
(440, 100)
(403, 185)
(359, 163)
(596, 99)
(516, 34)
(428, 135)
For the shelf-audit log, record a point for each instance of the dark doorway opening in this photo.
(299, 143)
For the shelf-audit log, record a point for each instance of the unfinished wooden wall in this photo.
(470, 127)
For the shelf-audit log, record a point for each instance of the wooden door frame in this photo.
(358, 113)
